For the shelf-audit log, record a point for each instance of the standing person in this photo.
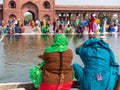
(44, 23)
(58, 24)
(60, 29)
(97, 21)
(0, 22)
(10, 21)
(22, 28)
(83, 24)
(17, 29)
(115, 27)
(57, 72)
(91, 24)
(36, 29)
(118, 27)
(101, 30)
(104, 23)
(41, 23)
(37, 22)
(6, 29)
(94, 27)
(54, 26)
(11, 29)
(32, 23)
(48, 23)
(100, 71)
(1, 30)
(77, 21)
(19, 23)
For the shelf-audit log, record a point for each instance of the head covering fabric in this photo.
(59, 44)
(36, 74)
(45, 29)
(99, 65)
(99, 43)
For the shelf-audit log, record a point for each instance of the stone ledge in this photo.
(25, 86)
(18, 89)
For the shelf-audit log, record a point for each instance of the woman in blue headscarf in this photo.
(100, 71)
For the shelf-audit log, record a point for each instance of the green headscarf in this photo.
(59, 44)
(45, 29)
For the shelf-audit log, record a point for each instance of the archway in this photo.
(46, 17)
(101, 16)
(109, 17)
(86, 16)
(30, 8)
(12, 16)
(114, 17)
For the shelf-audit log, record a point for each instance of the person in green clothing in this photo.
(6, 29)
(57, 72)
(45, 29)
(68, 29)
(77, 21)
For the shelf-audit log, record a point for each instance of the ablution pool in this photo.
(19, 52)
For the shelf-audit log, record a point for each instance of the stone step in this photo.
(74, 89)
(28, 86)
(25, 89)
(18, 89)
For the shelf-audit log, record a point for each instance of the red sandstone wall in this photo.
(1, 14)
(37, 7)
(22, 6)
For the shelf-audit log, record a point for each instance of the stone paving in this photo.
(28, 86)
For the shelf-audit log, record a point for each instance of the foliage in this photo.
(28, 17)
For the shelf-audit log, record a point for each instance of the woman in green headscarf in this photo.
(45, 29)
(57, 72)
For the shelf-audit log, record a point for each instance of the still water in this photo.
(19, 52)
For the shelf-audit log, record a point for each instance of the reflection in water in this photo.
(19, 52)
(45, 37)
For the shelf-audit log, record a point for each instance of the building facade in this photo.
(47, 9)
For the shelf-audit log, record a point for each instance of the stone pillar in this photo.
(81, 16)
(97, 15)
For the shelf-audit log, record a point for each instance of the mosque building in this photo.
(50, 9)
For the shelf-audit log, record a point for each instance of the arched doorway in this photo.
(46, 17)
(109, 17)
(115, 18)
(12, 16)
(30, 8)
(86, 16)
(100, 16)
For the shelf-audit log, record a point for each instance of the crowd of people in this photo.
(92, 24)
(12, 26)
